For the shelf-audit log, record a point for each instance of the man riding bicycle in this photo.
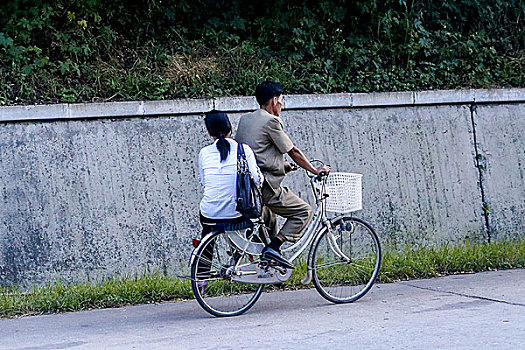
(262, 130)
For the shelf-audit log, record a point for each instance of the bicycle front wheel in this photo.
(346, 261)
(213, 272)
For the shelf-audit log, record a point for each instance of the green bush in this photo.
(72, 50)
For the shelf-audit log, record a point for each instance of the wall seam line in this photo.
(480, 168)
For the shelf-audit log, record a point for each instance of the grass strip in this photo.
(412, 263)
(416, 263)
(115, 292)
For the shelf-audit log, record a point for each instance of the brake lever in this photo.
(321, 175)
(293, 166)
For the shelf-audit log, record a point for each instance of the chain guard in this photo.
(257, 273)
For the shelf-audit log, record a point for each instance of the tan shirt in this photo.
(264, 133)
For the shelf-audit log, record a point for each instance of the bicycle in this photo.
(228, 277)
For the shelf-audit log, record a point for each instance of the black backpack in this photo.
(249, 202)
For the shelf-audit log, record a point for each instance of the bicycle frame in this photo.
(311, 232)
(319, 218)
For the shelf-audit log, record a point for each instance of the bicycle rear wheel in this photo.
(215, 263)
(346, 262)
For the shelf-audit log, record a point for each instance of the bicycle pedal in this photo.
(277, 265)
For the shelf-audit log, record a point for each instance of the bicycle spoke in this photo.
(214, 289)
(361, 267)
(331, 264)
(345, 281)
(211, 263)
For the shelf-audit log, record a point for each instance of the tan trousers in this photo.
(285, 203)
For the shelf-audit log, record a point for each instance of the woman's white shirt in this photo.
(218, 179)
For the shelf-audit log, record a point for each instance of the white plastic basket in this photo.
(344, 192)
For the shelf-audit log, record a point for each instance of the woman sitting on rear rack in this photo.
(218, 174)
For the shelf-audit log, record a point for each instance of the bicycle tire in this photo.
(342, 280)
(220, 296)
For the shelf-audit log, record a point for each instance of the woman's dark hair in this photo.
(266, 91)
(219, 125)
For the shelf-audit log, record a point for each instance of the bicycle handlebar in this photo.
(319, 177)
(317, 161)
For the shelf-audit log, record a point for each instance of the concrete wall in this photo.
(500, 134)
(83, 196)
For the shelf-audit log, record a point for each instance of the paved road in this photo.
(478, 311)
